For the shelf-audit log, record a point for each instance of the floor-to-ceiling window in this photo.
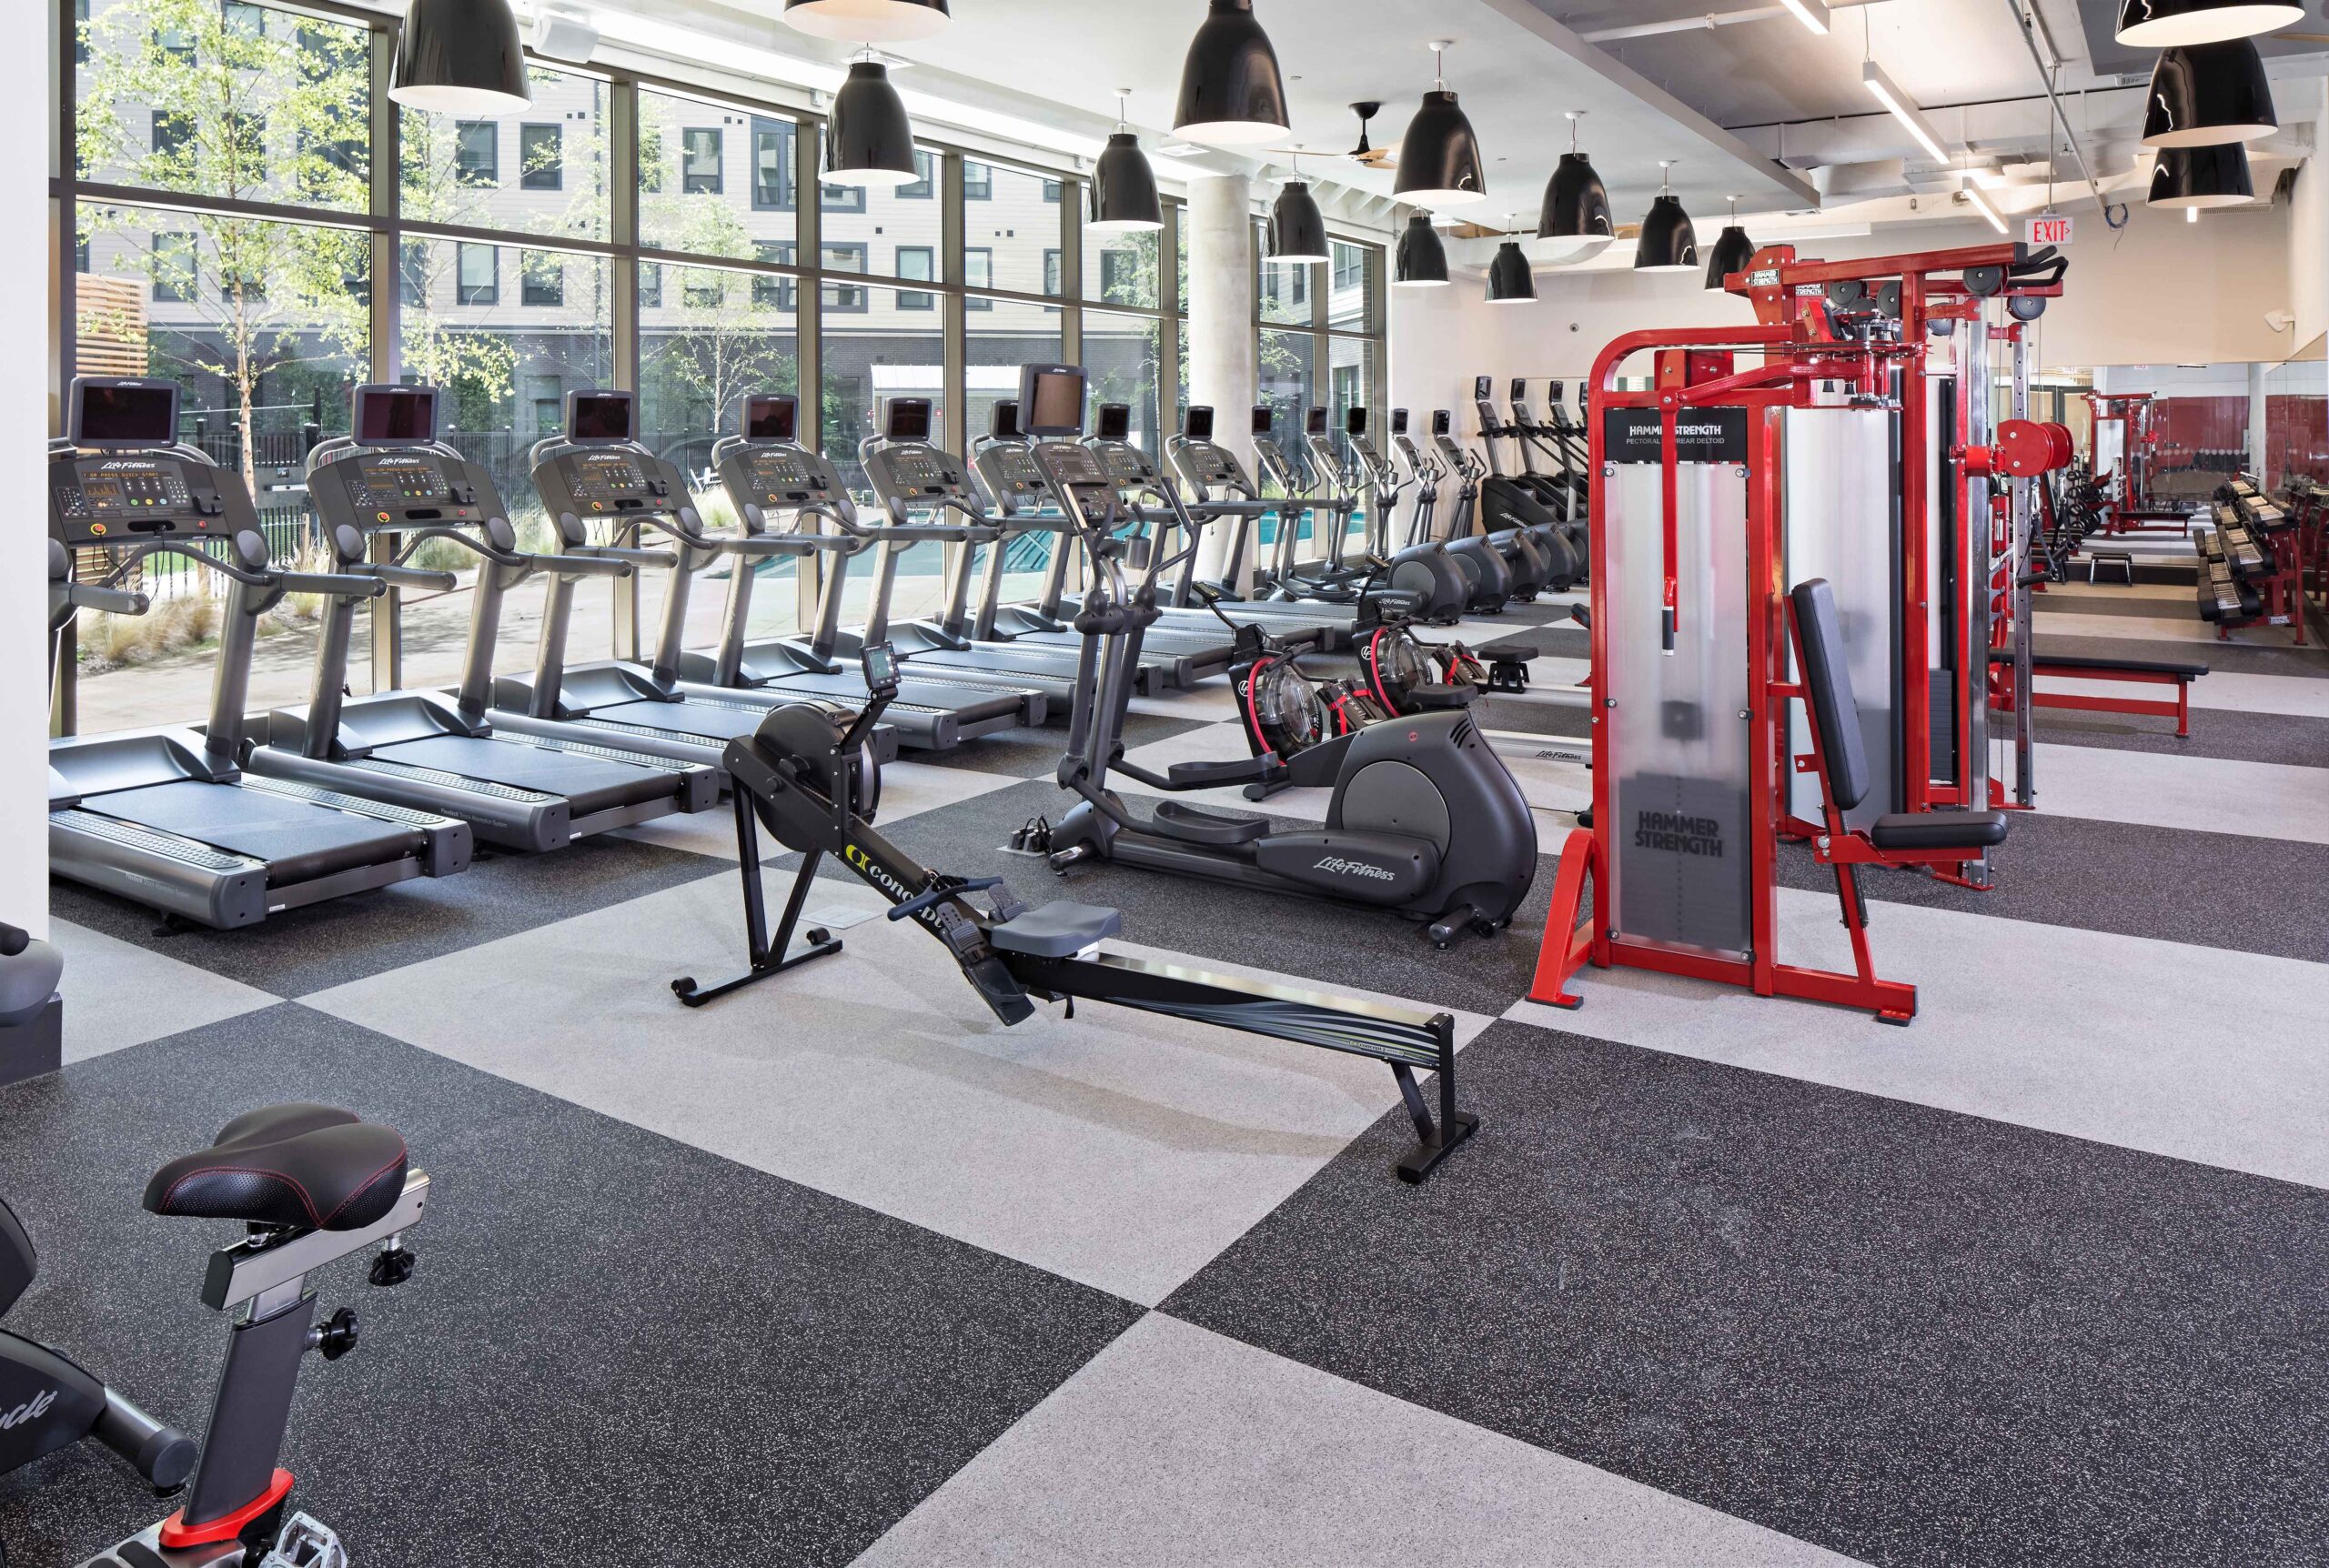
(251, 219)
(1319, 336)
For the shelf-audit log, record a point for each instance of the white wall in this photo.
(2308, 227)
(24, 100)
(2163, 291)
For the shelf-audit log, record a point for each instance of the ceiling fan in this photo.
(1374, 157)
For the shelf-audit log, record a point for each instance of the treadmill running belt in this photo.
(591, 784)
(700, 720)
(299, 841)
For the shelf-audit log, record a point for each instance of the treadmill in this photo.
(166, 816)
(910, 476)
(770, 477)
(597, 474)
(393, 480)
(1007, 466)
(1330, 574)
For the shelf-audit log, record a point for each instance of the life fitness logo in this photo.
(1336, 864)
(32, 1409)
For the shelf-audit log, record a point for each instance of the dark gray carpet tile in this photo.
(2216, 732)
(1035, 753)
(2145, 609)
(2246, 658)
(1330, 943)
(1564, 641)
(1908, 1335)
(2210, 890)
(1531, 614)
(342, 939)
(616, 1348)
(1523, 715)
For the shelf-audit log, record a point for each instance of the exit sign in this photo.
(2050, 230)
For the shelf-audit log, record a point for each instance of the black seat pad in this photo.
(2173, 667)
(1939, 830)
(309, 1167)
(1060, 930)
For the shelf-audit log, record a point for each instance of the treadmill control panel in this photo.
(1012, 476)
(615, 483)
(1077, 475)
(917, 474)
(382, 489)
(784, 476)
(1127, 465)
(1207, 465)
(97, 499)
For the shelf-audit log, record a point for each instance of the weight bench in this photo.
(2136, 671)
(2123, 559)
(1839, 756)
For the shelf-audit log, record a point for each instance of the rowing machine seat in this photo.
(1060, 930)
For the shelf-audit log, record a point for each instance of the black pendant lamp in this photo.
(2195, 177)
(1123, 187)
(460, 57)
(2168, 24)
(1297, 233)
(1439, 157)
(2209, 93)
(869, 141)
(1575, 211)
(1511, 280)
(1732, 250)
(1232, 91)
(868, 21)
(1422, 259)
(1669, 241)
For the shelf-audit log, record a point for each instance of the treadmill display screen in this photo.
(1265, 418)
(122, 493)
(1483, 388)
(1440, 422)
(1197, 425)
(1016, 467)
(782, 476)
(1051, 400)
(1519, 388)
(908, 419)
(390, 414)
(1073, 465)
(130, 414)
(1114, 422)
(384, 481)
(599, 417)
(773, 418)
(1354, 422)
(1398, 421)
(607, 476)
(1316, 425)
(1004, 423)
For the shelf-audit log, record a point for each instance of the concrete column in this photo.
(1224, 372)
(26, 100)
(2257, 409)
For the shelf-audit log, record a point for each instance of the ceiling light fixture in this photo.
(869, 140)
(1439, 157)
(2209, 93)
(1510, 279)
(1669, 242)
(1888, 93)
(2167, 24)
(1575, 212)
(868, 21)
(1232, 91)
(1422, 258)
(1732, 251)
(1810, 13)
(460, 57)
(1297, 230)
(1980, 201)
(2197, 177)
(1123, 187)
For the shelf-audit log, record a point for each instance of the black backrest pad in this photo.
(16, 1262)
(1820, 640)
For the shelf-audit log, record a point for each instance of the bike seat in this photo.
(1175, 820)
(306, 1167)
(1060, 929)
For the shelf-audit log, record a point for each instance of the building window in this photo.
(699, 290)
(477, 152)
(543, 278)
(480, 266)
(172, 268)
(1051, 272)
(1119, 282)
(171, 130)
(978, 183)
(412, 274)
(81, 34)
(81, 253)
(841, 298)
(772, 165)
(1051, 193)
(777, 293)
(651, 285)
(1350, 268)
(841, 198)
(917, 264)
(548, 399)
(700, 160)
(978, 272)
(542, 158)
(925, 184)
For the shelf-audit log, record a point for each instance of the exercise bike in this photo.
(1424, 819)
(312, 1185)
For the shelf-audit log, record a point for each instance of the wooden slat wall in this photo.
(111, 340)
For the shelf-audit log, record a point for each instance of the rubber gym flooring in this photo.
(840, 1269)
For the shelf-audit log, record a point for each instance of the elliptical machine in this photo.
(1511, 555)
(1424, 819)
(1468, 570)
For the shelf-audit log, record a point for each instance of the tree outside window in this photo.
(542, 278)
